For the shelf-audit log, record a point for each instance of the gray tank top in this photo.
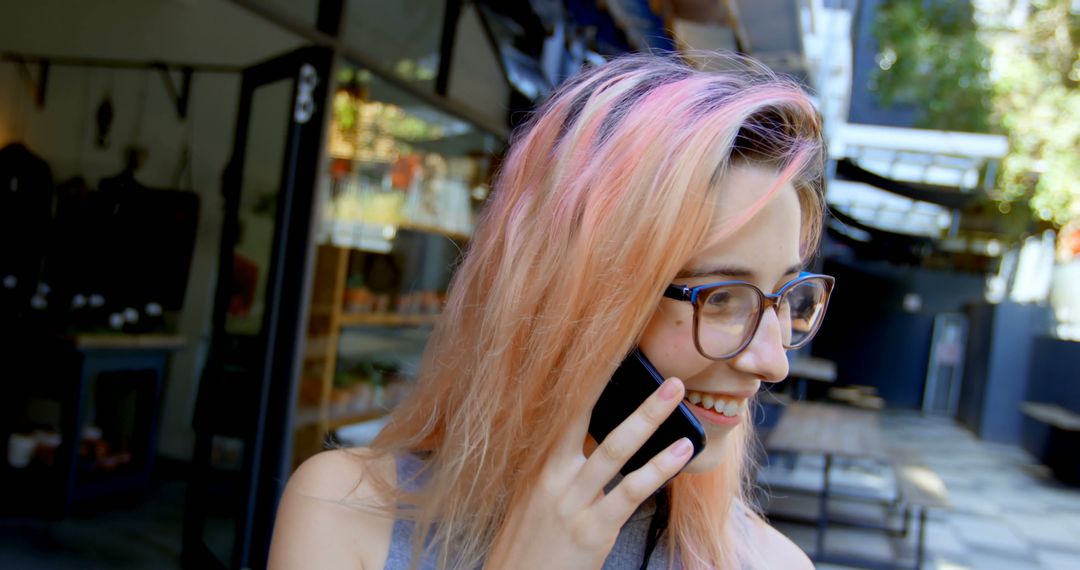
(625, 555)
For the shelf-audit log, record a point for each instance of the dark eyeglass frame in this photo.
(696, 296)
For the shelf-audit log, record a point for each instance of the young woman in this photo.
(645, 204)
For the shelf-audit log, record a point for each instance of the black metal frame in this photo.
(179, 94)
(323, 36)
(823, 520)
(451, 16)
(266, 449)
(267, 444)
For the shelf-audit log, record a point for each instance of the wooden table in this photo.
(71, 371)
(810, 427)
(830, 430)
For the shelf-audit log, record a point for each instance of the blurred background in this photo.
(228, 226)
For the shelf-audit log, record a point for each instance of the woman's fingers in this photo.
(625, 440)
(574, 435)
(627, 496)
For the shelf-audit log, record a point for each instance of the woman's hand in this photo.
(567, 521)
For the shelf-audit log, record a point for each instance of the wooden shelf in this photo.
(316, 347)
(308, 416)
(130, 341)
(331, 330)
(375, 237)
(321, 311)
(426, 229)
(385, 319)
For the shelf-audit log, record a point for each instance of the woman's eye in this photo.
(721, 304)
(719, 299)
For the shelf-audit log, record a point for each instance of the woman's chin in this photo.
(713, 455)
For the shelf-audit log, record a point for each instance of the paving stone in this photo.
(1005, 481)
(947, 563)
(1052, 530)
(938, 514)
(1057, 559)
(991, 561)
(941, 539)
(987, 534)
(1072, 521)
(957, 482)
(975, 503)
(1064, 499)
(1021, 502)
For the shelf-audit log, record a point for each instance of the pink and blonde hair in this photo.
(605, 193)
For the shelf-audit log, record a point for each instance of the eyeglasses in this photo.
(727, 314)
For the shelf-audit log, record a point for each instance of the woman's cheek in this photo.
(670, 347)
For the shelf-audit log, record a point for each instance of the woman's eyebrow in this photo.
(725, 270)
(736, 271)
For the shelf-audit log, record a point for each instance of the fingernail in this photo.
(682, 448)
(669, 390)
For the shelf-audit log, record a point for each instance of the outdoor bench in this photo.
(842, 433)
(1062, 441)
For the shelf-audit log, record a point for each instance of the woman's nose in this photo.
(765, 356)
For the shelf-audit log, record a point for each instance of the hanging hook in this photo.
(37, 88)
(182, 95)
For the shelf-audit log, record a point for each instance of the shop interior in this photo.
(228, 228)
(232, 237)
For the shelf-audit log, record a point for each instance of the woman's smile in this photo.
(717, 408)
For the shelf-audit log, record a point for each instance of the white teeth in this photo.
(729, 408)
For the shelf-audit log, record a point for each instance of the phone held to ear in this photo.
(633, 382)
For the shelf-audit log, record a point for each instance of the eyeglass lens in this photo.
(728, 316)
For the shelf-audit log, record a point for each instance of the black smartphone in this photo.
(633, 382)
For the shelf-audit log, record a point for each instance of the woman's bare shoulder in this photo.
(773, 549)
(322, 521)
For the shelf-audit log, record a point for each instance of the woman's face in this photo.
(764, 252)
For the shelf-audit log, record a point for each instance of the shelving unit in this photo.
(398, 191)
(328, 318)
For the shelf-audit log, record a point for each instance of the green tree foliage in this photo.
(994, 73)
(930, 56)
(1037, 93)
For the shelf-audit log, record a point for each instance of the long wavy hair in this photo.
(611, 186)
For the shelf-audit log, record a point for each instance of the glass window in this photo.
(397, 163)
(401, 36)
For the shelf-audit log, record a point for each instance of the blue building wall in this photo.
(1055, 373)
(1015, 328)
(870, 335)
